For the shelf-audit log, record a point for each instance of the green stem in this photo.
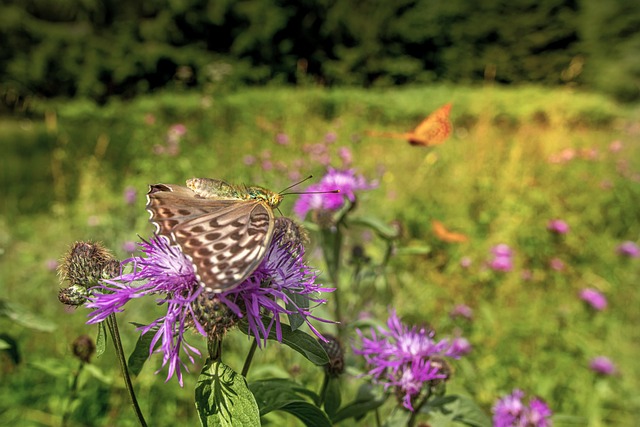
(249, 359)
(112, 324)
(214, 348)
(416, 409)
(73, 394)
(323, 390)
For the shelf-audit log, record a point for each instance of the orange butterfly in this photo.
(445, 235)
(433, 130)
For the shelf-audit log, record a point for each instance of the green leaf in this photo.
(332, 397)
(23, 317)
(368, 399)
(10, 346)
(414, 250)
(298, 340)
(286, 395)
(296, 301)
(384, 230)
(140, 353)
(101, 339)
(223, 398)
(456, 409)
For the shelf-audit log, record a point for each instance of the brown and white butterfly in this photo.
(225, 230)
(433, 130)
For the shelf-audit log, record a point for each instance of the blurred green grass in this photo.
(64, 176)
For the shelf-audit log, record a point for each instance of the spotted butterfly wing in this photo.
(225, 237)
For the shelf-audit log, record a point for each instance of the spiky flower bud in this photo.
(214, 316)
(83, 348)
(334, 350)
(74, 295)
(86, 263)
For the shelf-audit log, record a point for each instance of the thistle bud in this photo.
(86, 263)
(214, 316)
(83, 348)
(334, 350)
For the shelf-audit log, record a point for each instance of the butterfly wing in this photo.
(225, 239)
(433, 130)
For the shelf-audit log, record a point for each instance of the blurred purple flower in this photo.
(594, 298)
(130, 195)
(460, 346)
(629, 249)
(556, 264)
(178, 130)
(501, 263)
(558, 226)
(129, 246)
(282, 138)
(462, 310)
(465, 262)
(406, 359)
(249, 160)
(282, 284)
(510, 411)
(51, 264)
(345, 155)
(526, 275)
(330, 137)
(346, 181)
(502, 250)
(602, 365)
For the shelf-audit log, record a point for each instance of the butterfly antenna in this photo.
(297, 183)
(312, 192)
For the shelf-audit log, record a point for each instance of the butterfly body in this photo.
(224, 229)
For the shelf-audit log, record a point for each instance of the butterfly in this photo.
(445, 235)
(223, 229)
(433, 130)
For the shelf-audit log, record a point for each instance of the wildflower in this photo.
(83, 348)
(130, 195)
(558, 226)
(330, 137)
(462, 310)
(629, 249)
(502, 258)
(407, 359)
(556, 264)
(345, 155)
(615, 146)
(282, 284)
(594, 298)
(129, 246)
(510, 411)
(465, 262)
(249, 160)
(346, 181)
(282, 138)
(602, 365)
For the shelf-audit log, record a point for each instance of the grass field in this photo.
(517, 159)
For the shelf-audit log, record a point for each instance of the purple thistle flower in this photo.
(502, 250)
(558, 226)
(406, 359)
(602, 365)
(594, 298)
(282, 138)
(501, 263)
(556, 264)
(130, 195)
(462, 310)
(629, 249)
(282, 284)
(510, 411)
(465, 262)
(346, 181)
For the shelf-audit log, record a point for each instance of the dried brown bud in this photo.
(83, 348)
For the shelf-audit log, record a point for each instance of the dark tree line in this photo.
(103, 48)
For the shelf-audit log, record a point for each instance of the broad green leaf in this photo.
(398, 418)
(368, 399)
(333, 397)
(23, 317)
(298, 340)
(286, 395)
(101, 339)
(456, 410)
(140, 353)
(223, 398)
(297, 301)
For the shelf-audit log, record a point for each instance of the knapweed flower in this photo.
(594, 298)
(282, 138)
(465, 262)
(602, 365)
(556, 264)
(462, 310)
(346, 181)
(558, 226)
(406, 359)
(510, 411)
(130, 195)
(502, 258)
(629, 249)
(282, 284)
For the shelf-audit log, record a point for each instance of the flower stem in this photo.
(112, 324)
(247, 361)
(417, 408)
(73, 394)
(331, 243)
(323, 390)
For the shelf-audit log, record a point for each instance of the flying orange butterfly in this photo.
(445, 235)
(433, 130)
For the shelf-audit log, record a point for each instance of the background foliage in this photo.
(102, 48)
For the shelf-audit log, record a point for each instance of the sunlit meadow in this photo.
(543, 186)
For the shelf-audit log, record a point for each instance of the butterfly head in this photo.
(269, 197)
